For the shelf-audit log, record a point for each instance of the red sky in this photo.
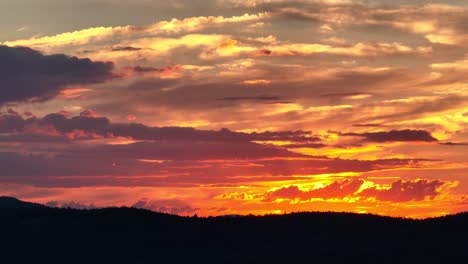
(235, 107)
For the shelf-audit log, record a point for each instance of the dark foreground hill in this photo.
(36, 234)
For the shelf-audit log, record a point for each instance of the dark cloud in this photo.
(147, 69)
(395, 136)
(262, 52)
(26, 74)
(403, 191)
(125, 48)
(11, 123)
(89, 125)
(12, 112)
(141, 69)
(33, 138)
(454, 143)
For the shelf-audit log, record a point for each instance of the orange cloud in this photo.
(131, 117)
(92, 35)
(256, 82)
(73, 93)
(398, 191)
(334, 190)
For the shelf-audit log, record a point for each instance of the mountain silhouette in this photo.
(39, 234)
(10, 202)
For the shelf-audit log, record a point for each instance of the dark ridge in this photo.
(10, 202)
(128, 235)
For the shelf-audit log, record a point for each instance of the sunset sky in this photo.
(217, 107)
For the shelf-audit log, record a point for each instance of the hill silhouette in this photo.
(10, 202)
(39, 234)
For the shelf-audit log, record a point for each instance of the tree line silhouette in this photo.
(32, 233)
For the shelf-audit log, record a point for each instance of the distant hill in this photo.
(39, 234)
(10, 202)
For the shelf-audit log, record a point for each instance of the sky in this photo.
(220, 107)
